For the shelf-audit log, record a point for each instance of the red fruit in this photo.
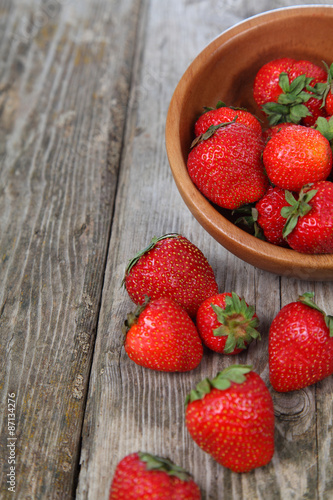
(296, 156)
(226, 323)
(329, 103)
(268, 215)
(224, 114)
(309, 220)
(317, 75)
(225, 164)
(171, 266)
(266, 86)
(291, 85)
(145, 476)
(161, 336)
(271, 131)
(300, 345)
(231, 417)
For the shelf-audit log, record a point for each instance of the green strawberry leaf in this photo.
(150, 246)
(233, 373)
(322, 89)
(298, 208)
(325, 127)
(290, 105)
(307, 299)
(297, 112)
(222, 381)
(156, 463)
(210, 132)
(284, 82)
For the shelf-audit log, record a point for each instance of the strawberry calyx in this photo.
(290, 106)
(132, 317)
(321, 89)
(325, 127)
(237, 322)
(211, 131)
(161, 464)
(307, 299)
(222, 381)
(298, 208)
(150, 246)
(249, 218)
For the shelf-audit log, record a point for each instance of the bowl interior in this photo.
(225, 70)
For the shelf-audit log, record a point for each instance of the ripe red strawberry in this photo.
(171, 266)
(226, 323)
(161, 336)
(284, 88)
(145, 476)
(271, 131)
(300, 345)
(309, 220)
(231, 417)
(267, 214)
(266, 86)
(224, 114)
(296, 156)
(329, 103)
(225, 164)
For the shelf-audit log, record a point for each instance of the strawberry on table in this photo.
(171, 266)
(226, 166)
(226, 323)
(297, 155)
(161, 336)
(142, 476)
(231, 417)
(309, 219)
(300, 345)
(224, 114)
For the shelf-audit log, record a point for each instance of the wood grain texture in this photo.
(84, 184)
(139, 409)
(62, 121)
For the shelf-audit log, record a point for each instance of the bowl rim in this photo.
(280, 260)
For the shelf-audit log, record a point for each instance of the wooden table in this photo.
(84, 184)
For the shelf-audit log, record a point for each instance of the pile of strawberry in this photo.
(279, 176)
(180, 314)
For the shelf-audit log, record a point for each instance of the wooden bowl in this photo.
(225, 70)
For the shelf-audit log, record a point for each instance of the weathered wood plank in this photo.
(64, 91)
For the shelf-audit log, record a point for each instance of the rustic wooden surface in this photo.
(85, 183)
